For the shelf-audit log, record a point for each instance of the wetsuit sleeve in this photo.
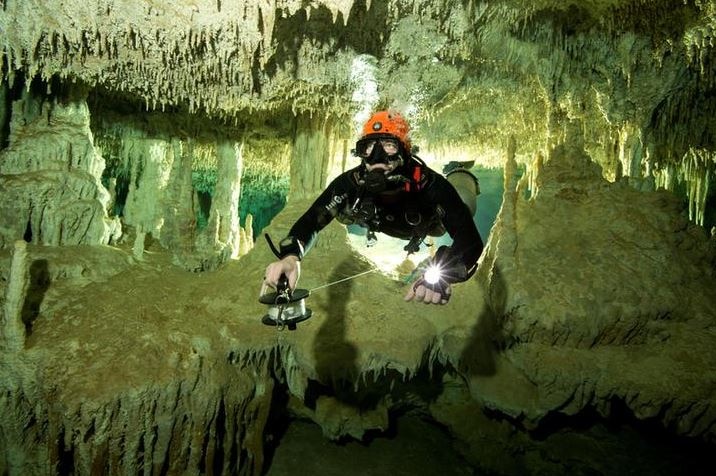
(467, 243)
(322, 211)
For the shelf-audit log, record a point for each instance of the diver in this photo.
(393, 192)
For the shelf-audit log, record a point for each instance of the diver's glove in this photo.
(430, 293)
(433, 286)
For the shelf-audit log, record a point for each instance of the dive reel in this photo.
(286, 308)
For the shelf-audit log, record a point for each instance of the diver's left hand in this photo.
(419, 292)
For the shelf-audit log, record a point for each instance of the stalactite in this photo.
(630, 151)
(209, 51)
(696, 171)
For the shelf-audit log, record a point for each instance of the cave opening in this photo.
(121, 191)
(203, 209)
(263, 197)
(638, 446)
(65, 456)
(27, 236)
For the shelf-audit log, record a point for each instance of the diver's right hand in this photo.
(289, 265)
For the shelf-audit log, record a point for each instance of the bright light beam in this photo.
(432, 274)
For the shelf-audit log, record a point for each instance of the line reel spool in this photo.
(286, 308)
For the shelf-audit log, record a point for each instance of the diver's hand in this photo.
(289, 265)
(419, 292)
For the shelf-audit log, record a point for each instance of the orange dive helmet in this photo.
(388, 122)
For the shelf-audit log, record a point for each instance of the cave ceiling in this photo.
(468, 73)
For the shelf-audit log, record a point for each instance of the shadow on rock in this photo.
(335, 357)
(39, 283)
(478, 356)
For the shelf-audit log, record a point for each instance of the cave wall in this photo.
(595, 287)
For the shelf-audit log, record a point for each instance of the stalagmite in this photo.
(138, 247)
(224, 219)
(12, 331)
(310, 157)
(112, 194)
(246, 242)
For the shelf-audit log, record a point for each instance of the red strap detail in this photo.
(417, 175)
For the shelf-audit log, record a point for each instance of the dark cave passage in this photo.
(417, 444)
(413, 446)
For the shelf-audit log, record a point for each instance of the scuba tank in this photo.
(466, 184)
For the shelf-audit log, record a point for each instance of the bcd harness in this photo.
(366, 212)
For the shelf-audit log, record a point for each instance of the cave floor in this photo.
(109, 325)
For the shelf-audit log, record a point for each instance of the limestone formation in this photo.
(136, 136)
(246, 236)
(574, 271)
(50, 177)
(13, 328)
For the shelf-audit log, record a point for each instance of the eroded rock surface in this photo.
(157, 367)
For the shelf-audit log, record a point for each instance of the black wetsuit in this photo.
(429, 205)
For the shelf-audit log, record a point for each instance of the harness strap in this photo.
(415, 183)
